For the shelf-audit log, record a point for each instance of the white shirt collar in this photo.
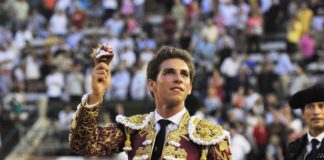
(175, 119)
(319, 137)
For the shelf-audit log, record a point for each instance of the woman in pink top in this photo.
(254, 32)
(307, 45)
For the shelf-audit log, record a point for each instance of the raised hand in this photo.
(101, 77)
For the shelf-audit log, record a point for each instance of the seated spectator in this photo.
(58, 24)
(120, 82)
(116, 25)
(138, 83)
(65, 118)
(212, 101)
(240, 146)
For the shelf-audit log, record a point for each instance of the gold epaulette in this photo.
(204, 132)
(135, 122)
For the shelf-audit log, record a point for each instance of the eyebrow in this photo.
(172, 69)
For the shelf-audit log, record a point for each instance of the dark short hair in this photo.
(165, 53)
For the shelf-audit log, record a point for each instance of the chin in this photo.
(318, 127)
(175, 101)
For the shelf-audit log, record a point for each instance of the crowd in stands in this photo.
(45, 48)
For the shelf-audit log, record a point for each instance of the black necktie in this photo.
(159, 139)
(312, 154)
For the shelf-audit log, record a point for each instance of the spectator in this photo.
(139, 6)
(267, 78)
(62, 4)
(254, 32)
(7, 58)
(207, 7)
(294, 32)
(127, 41)
(109, 6)
(230, 68)
(23, 36)
(37, 24)
(274, 150)
(216, 82)
(169, 26)
(54, 83)
(146, 41)
(78, 18)
(179, 13)
(5, 34)
(138, 88)
(63, 60)
(128, 56)
(307, 47)
(47, 8)
(65, 118)
(120, 82)
(210, 31)
(205, 49)
(212, 102)
(229, 11)
(251, 98)
(58, 23)
(261, 136)
(116, 25)
(300, 80)
(21, 10)
(146, 56)
(238, 98)
(284, 68)
(74, 84)
(305, 15)
(318, 21)
(131, 25)
(127, 8)
(241, 19)
(74, 38)
(32, 70)
(240, 147)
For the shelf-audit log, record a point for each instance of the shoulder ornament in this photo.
(135, 122)
(203, 132)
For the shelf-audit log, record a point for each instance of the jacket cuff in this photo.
(84, 102)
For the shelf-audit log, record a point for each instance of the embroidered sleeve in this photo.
(88, 139)
(220, 151)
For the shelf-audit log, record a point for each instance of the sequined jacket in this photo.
(194, 138)
(297, 150)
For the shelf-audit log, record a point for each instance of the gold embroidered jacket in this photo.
(194, 138)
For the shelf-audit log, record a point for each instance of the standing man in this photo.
(309, 146)
(167, 133)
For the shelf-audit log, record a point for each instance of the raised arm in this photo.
(85, 136)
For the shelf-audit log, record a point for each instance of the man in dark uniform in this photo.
(309, 146)
(169, 132)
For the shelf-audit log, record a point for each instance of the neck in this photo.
(316, 132)
(167, 111)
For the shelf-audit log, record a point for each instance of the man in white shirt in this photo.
(169, 132)
(309, 146)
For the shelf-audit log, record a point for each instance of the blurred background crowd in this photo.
(250, 57)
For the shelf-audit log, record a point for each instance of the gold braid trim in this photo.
(135, 122)
(203, 132)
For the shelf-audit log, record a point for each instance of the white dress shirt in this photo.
(309, 145)
(176, 119)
